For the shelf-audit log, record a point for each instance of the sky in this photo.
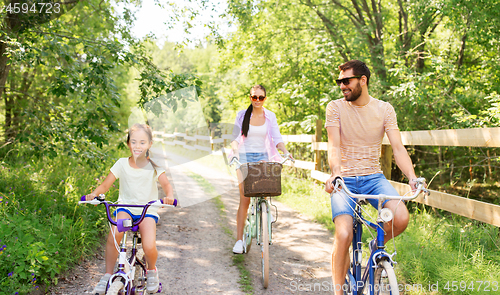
(151, 18)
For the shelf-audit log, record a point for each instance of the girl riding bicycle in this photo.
(138, 177)
(257, 138)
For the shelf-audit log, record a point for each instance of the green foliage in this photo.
(42, 228)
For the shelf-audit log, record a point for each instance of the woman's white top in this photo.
(256, 139)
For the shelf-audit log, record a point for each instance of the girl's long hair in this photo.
(246, 120)
(149, 132)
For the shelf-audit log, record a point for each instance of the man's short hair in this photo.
(358, 67)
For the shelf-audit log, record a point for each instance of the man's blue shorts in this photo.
(374, 184)
(134, 217)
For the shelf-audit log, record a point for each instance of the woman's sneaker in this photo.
(101, 286)
(153, 283)
(238, 247)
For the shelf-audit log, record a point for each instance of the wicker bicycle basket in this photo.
(262, 179)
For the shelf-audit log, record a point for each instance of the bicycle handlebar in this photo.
(339, 185)
(101, 200)
(236, 161)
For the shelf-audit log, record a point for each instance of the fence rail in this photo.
(480, 137)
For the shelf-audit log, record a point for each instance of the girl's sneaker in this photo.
(153, 283)
(101, 286)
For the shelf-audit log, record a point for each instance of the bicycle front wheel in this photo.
(385, 282)
(116, 287)
(264, 235)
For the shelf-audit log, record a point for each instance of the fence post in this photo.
(317, 138)
(212, 135)
(386, 160)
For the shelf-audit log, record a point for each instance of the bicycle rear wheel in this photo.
(385, 283)
(264, 235)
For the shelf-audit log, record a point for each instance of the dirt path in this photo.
(195, 254)
(301, 251)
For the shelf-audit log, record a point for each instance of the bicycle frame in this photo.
(357, 278)
(254, 216)
(126, 267)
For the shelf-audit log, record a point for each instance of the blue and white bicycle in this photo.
(378, 277)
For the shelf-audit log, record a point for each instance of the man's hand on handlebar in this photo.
(416, 182)
(329, 184)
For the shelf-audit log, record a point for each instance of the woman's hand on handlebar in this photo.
(288, 155)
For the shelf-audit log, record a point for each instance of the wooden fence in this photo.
(483, 137)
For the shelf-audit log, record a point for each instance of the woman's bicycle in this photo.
(130, 276)
(378, 277)
(261, 180)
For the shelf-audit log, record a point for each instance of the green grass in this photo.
(43, 230)
(432, 250)
(245, 280)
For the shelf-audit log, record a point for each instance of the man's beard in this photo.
(355, 94)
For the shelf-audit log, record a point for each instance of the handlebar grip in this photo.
(174, 204)
(83, 198)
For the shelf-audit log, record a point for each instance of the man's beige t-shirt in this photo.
(137, 186)
(361, 132)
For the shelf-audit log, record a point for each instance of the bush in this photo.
(43, 231)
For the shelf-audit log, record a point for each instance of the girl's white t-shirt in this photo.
(137, 186)
(255, 142)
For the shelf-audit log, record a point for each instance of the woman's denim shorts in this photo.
(374, 184)
(253, 157)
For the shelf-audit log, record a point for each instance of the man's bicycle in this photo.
(130, 276)
(261, 180)
(378, 277)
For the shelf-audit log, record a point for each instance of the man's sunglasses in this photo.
(255, 97)
(345, 81)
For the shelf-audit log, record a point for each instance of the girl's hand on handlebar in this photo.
(168, 200)
(90, 197)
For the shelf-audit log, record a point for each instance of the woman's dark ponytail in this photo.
(246, 121)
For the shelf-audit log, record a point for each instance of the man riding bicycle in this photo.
(356, 126)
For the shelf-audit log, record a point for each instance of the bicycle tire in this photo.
(115, 287)
(247, 234)
(264, 234)
(387, 285)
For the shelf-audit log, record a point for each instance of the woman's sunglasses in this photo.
(346, 81)
(255, 97)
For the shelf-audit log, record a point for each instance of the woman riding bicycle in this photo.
(257, 138)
